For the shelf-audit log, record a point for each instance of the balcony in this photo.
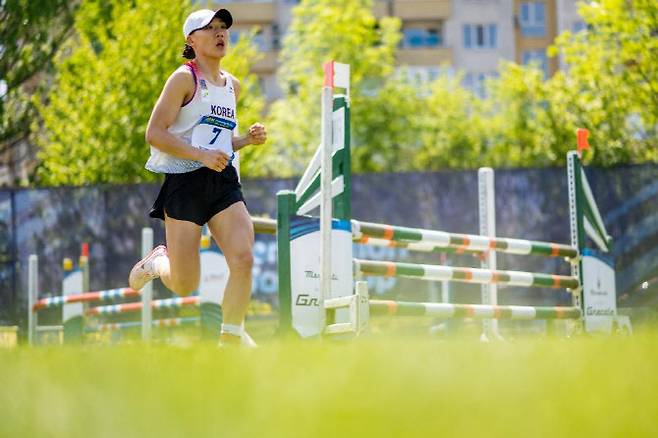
(267, 64)
(252, 12)
(425, 56)
(414, 10)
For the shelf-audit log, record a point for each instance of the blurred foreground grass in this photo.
(404, 386)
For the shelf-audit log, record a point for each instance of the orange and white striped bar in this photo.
(364, 231)
(103, 295)
(464, 275)
(169, 303)
(159, 323)
(475, 311)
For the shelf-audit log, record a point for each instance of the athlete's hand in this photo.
(214, 159)
(257, 134)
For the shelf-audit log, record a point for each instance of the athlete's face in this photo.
(211, 40)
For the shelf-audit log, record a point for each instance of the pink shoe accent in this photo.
(143, 271)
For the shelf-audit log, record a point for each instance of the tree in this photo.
(611, 85)
(383, 105)
(107, 81)
(453, 127)
(30, 34)
(520, 127)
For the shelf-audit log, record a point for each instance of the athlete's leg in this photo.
(177, 264)
(234, 233)
(183, 271)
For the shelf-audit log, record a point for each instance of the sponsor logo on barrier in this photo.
(306, 300)
(599, 296)
(592, 311)
(598, 291)
(312, 274)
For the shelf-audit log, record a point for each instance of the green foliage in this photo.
(520, 129)
(610, 86)
(109, 77)
(345, 31)
(30, 35)
(385, 130)
(107, 81)
(251, 103)
(612, 82)
(452, 128)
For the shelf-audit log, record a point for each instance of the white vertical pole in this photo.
(487, 210)
(445, 285)
(32, 293)
(326, 213)
(577, 235)
(574, 227)
(362, 307)
(433, 293)
(445, 292)
(147, 291)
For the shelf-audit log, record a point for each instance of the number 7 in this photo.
(216, 131)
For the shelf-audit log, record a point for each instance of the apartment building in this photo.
(437, 35)
(481, 33)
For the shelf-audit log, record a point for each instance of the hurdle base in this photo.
(359, 312)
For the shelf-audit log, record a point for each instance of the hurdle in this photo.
(159, 323)
(418, 239)
(76, 302)
(360, 308)
(476, 311)
(317, 293)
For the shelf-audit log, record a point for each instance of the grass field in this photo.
(377, 386)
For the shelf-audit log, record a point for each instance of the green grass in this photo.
(374, 386)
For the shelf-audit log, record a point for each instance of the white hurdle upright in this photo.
(32, 293)
(487, 215)
(147, 291)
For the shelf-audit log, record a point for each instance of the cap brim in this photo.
(225, 16)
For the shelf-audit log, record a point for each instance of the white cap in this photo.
(201, 18)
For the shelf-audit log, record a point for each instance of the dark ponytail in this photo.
(188, 52)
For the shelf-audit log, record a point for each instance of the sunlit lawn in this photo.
(375, 386)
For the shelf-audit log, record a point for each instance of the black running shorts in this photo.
(198, 195)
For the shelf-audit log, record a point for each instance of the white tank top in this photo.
(206, 121)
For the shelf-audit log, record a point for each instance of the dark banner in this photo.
(530, 204)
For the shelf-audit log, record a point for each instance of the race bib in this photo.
(212, 132)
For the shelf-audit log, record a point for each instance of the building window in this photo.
(413, 37)
(537, 57)
(577, 26)
(480, 36)
(259, 39)
(533, 19)
(234, 36)
(276, 37)
(261, 43)
(421, 75)
(476, 83)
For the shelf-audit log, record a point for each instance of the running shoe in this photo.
(144, 271)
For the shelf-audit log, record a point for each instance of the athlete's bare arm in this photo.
(256, 133)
